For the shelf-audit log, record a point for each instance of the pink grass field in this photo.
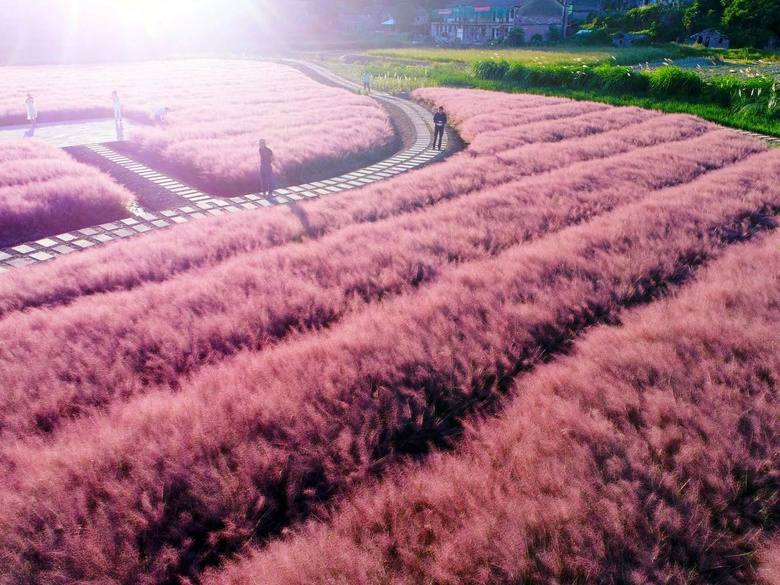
(172, 402)
(44, 192)
(648, 456)
(219, 109)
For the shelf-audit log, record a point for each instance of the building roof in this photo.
(540, 9)
(488, 3)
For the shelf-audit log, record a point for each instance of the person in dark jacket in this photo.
(266, 171)
(439, 122)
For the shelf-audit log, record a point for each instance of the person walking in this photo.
(367, 82)
(117, 107)
(32, 112)
(266, 170)
(439, 122)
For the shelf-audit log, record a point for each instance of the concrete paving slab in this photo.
(74, 133)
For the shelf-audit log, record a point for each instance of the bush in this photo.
(673, 81)
(491, 69)
(554, 75)
(618, 79)
(515, 37)
(517, 73)
(597, 36)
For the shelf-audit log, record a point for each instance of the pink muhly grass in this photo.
(164, 485)
(94, 351)
(219, 109)
(769, 562)
(161, 255)
(649, 455)
(51, 193)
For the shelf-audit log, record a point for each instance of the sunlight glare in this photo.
(155, 16)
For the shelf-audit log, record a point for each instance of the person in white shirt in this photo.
(32, 113)
(117, 106)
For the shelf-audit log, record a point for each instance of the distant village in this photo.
(489, 21)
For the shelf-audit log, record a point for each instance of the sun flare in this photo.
(155, 16)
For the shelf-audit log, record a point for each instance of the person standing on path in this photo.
(32, 113)
(266, 172)
(367, 82)
(117, 107)
(439, 122)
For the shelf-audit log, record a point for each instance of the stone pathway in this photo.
(775, 141)
(74, 133)
(204, 205)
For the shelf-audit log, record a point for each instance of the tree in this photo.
(404, 14)
(752, 22)
(703, 14)
(515, 37)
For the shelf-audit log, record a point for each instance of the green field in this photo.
(737, 88)
(542, 56)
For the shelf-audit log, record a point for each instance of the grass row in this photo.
(129, 343)
(160, 488)
(162, 255)
(649, 455)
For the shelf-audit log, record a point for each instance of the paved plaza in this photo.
(76, 133)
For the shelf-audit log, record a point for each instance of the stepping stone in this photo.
(249, 206)
(66, 237)
(83, 244)
(168, 213)
(103, 238)
(160, 223)
(63, 249)
(19, 262)
(124, 233)
(41, 256)
(179, 219)
(142, 228)
(4, 256)
(88, 232)
(23, 249)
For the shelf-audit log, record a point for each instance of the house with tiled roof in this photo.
(491, 20)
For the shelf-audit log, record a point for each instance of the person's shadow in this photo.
(30, 133)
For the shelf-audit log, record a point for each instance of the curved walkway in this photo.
(204, 205)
